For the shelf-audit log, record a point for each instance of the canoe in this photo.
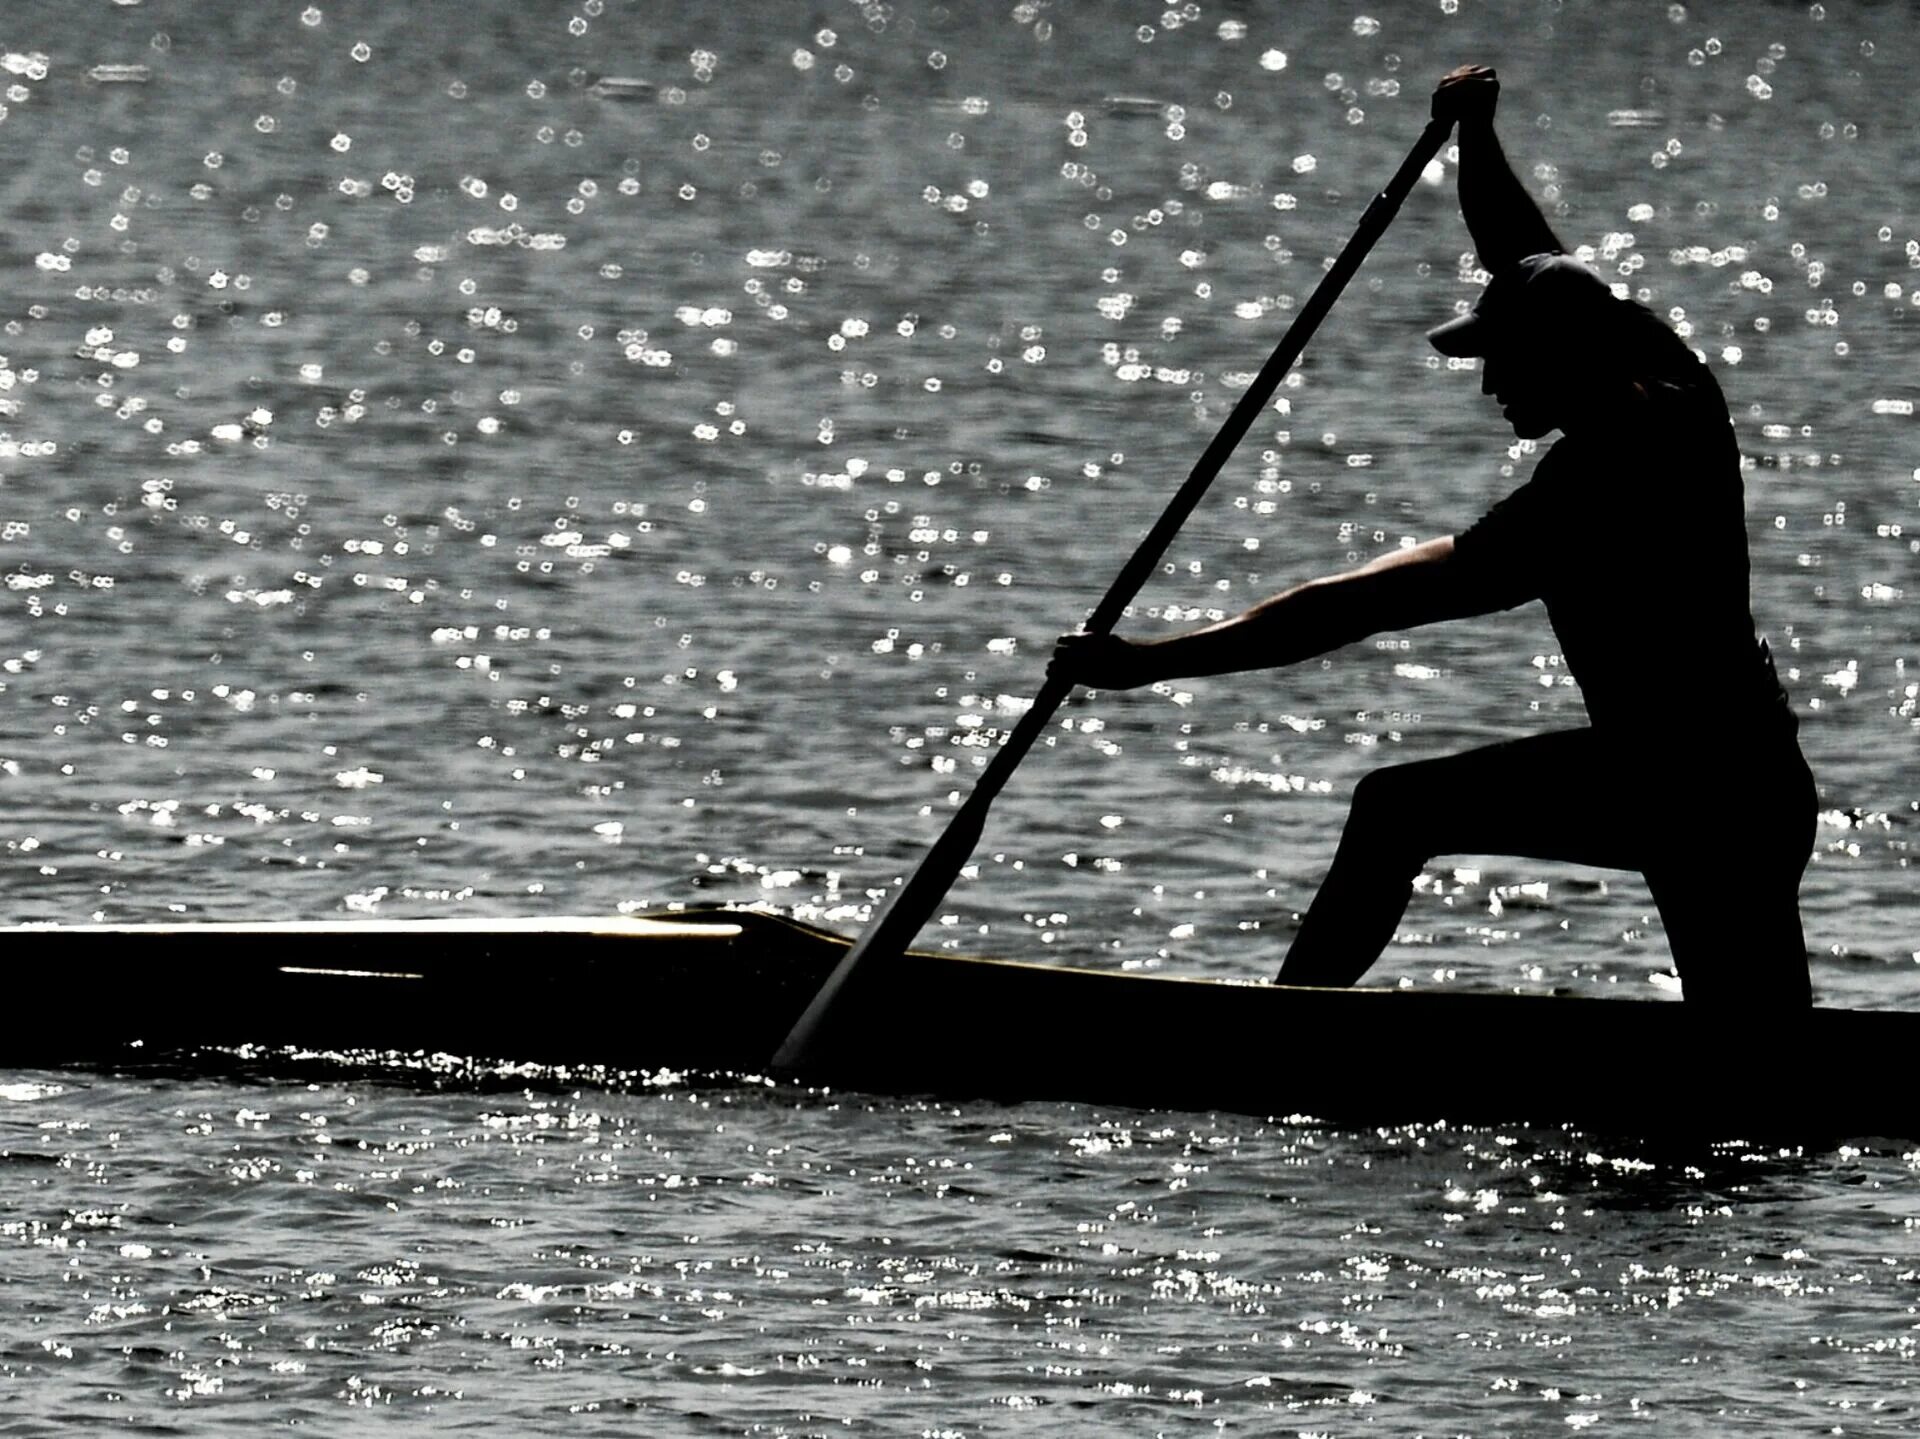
(712, 992)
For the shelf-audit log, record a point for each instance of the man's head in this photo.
(1548, 331)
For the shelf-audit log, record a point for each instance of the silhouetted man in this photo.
(1632, 530)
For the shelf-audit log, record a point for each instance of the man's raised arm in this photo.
(1502, 217)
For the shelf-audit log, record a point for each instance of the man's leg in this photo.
(1553, 796)
(1731, 905)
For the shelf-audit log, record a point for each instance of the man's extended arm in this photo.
(1502, 217)
(1408, 587)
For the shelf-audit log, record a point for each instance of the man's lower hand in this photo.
(1104, 662)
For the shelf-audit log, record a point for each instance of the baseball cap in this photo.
(1541, 295)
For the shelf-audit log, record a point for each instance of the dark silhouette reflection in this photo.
(1632, 531)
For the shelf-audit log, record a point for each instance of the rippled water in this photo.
(541, 459)
(205, 1254)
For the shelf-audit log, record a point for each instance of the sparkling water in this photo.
(519, 459)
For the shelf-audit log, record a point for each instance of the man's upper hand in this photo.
(1466, 94)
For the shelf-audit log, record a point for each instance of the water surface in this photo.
(543, 459)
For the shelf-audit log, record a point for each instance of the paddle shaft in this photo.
(908, 909)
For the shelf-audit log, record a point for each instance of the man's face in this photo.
(1526, 396)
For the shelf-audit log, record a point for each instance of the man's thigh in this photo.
(1558, 796)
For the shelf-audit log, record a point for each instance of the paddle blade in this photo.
(903, 915)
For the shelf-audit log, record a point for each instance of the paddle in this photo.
(913, 904)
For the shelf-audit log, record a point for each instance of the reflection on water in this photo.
(293, 1250)
(530, 459)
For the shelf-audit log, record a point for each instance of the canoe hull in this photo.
(715, 992)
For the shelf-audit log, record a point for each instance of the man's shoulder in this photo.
(1533, 502)
(1668, 422)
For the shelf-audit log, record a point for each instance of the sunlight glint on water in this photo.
(542, 459)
